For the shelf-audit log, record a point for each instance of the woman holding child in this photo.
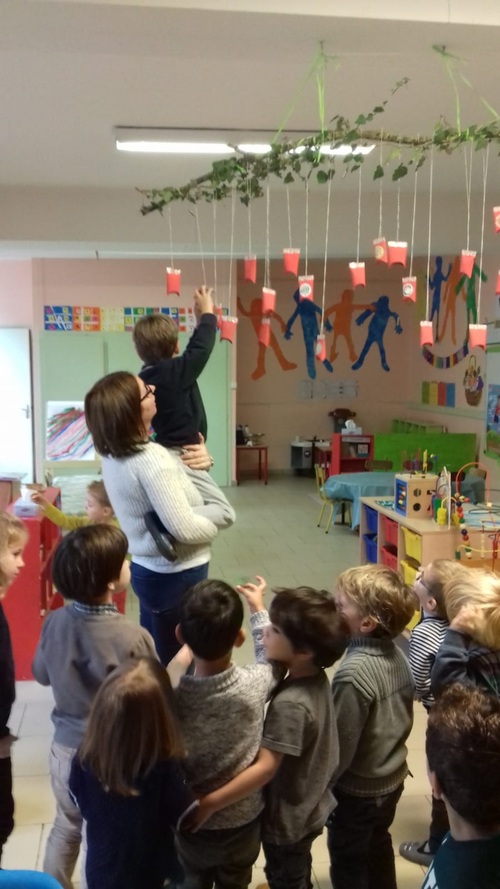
(143, 477)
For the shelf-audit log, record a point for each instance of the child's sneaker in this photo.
(418, 853)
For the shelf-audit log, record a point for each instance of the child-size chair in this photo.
(333, 504)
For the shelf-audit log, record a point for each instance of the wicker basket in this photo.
(473, 384)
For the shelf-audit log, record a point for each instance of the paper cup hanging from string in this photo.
(320, 348)
(306, 287)
(250, 269)
(380, 250)
(265, 332)
(397, 252)
(218, 313)
(426, 333)
(409, 287)
(497, 288)
(268, 300)
(358, 275)
(291, 257)
(467, 258)
(496, 219)
(173, 281)
(228, 328)
(477, 335)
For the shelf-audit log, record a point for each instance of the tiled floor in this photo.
(276, 536)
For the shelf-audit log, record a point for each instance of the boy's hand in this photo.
(203, 302)
(467, 619)
(39, 499)
(253, 593)
(197, 817)
(196, 456)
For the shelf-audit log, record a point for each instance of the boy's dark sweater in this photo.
(7, 681)
(180, 414)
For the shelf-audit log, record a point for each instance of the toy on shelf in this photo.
(413, 492)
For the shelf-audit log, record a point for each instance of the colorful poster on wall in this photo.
(58, 318)
(67, 436)
(492, 448)
(112, 319)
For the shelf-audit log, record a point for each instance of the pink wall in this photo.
(16, 293)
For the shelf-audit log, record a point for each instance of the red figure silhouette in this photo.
(342, 315)
(255, 315)
(450, 302)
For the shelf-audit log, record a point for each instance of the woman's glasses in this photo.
(148, 391)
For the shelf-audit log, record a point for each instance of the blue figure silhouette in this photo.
(307, 311)
(435, 284)
(376, 329)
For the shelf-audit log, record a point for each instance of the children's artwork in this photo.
(112, 320)
(381, 313)
(308, 313)
(86, 318)
(67, 436)
(439, 394)
(58, 318)
(254, 313)
(473, 382)
(342, 312)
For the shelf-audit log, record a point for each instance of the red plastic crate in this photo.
(390, 529)
(389, 556)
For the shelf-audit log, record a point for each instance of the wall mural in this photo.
(254, 313)
(381, 313)
(308, 313)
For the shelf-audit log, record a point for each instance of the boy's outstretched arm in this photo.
(253, 593)
(253, 778)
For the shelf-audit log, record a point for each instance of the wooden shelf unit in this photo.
(349, 453)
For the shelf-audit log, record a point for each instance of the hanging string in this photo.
(200, 246)
(359, 213)
(429, 237)
(214, 212)
(231, 248)
(171, 237)
(267, 277)
(289, 216)
(249, 208)
(468, 184)
(398, 207)
(413, 219)
(307, 225)
(485, 177)
(380, 184)
(327, 227)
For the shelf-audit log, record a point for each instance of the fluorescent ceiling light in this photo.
(156, 147)
(338, 150)
(254, 148)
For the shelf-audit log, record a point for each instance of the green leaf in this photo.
(322, 177)
(379, 172)
(361, 119)
(399, 173)
(288, 178)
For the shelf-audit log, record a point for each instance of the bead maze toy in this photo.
(481, 521)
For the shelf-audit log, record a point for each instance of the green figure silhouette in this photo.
(470, 292)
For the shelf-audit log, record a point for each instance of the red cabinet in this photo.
(28, 597)
(350, 452)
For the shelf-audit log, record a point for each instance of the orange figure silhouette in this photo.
(255, 315)
(450, 302)
(342, 315)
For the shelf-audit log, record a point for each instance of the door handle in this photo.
(27, 411)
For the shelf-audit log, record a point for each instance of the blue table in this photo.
(353, 485)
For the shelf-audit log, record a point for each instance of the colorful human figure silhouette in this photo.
(255, 315)
(381, 313)
(470, 292)
(342, 319)
(435, 284)
(450, 302)
(308, 311)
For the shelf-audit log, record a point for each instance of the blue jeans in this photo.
(159, 596)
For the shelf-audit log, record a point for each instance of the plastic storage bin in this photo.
(370, 546)
(413, 544)
(390, 529)
(371, 516)
(389, 556)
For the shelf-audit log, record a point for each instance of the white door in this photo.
(16, 411)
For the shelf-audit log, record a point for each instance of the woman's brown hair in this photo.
(12, 531)
(132, 726)
(113, 415)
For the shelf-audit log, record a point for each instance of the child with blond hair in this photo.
(373, 700)
(98, 509)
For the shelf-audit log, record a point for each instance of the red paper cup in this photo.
(477, 335)
(250, 269)
(218, 312)
(228, 328)
(467, 258)
(358, 277)
(426, 333)
(291, 257)
(496, 219)
(306, 287)
(380, 249)
(173, 281)
(268, 300)
(320, 348)
(409, 290)
(265, 332)
(397, 252)
(497, 288)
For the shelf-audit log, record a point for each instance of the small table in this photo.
(354, 485)
(261, 450)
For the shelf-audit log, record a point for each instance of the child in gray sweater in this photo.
(79, 646)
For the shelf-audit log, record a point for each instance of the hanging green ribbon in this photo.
(317, 70)
(451, 65)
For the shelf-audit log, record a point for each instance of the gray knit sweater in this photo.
(373, 699)
(222, 718)
(153, 479)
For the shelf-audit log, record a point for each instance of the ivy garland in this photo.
(289, 161)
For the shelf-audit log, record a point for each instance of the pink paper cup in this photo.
(320, 348)
(173, 281)
(265, 332)
(409, 286)
(477, 335)
(380, 250)
(358, 275)
(397, 252)
(497, 288)
(426, 333)
(228, 329)
(467, 258)
(268, 300)
(496, 219)
(291, 258)
(250, 269)
(218, 312)
(306, 287)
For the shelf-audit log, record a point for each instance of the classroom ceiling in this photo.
(72, 71)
